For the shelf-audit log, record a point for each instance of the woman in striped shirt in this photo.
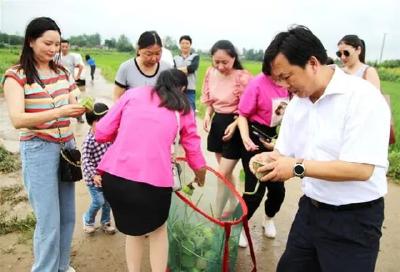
(40, 104)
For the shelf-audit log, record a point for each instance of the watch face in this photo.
(299, 170)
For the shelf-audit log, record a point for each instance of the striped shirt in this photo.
(38, 99)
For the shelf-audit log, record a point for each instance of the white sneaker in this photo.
(88, 229)
(269, 228)
(243, 240)
(108, 229)
(70, 269)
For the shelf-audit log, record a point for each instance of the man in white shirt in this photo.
(334, 136)
(71, 61)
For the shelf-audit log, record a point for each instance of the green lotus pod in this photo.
(257, 165)
(188, 189)
(87, 102)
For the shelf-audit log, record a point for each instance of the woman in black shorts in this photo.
(223, 84)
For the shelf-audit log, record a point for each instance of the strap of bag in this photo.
(177, 137)
(54, 106)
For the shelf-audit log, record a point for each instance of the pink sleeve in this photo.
(248, 100)
(191, 142)
(241, 82)
(205, 93)
(107, 127)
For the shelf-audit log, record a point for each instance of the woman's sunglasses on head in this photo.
(344, 52)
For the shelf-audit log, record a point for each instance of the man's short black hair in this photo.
(298, 45)
(64, 41)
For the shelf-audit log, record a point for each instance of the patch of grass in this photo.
(393, 89)
(394, 166)
(15, 224)
(241, 175)
(9, 162)
(9, 194)
(8, 58)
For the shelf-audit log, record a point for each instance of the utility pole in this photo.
(383, 45)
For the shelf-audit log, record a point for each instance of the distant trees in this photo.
(11, 39)
(123, 44)
(111, 43)
(251, 54)
(171, 44)
(84, 40)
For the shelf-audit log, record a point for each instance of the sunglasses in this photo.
(345, 53)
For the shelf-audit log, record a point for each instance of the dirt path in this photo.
(106, 253)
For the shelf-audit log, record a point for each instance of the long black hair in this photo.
(35, 30)
(355, 41)
(228, 47)
(170, 87)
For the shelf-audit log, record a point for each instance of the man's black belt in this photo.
(346, 207)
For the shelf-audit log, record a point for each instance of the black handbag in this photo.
(70, 165)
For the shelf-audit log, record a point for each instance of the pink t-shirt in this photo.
(222, 92)
(143, 133)
(263, 101)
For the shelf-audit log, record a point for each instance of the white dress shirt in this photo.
(349, 122)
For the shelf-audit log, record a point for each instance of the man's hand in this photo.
(281, 168)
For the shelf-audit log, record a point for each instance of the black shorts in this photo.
(228, 149)
(138, 208)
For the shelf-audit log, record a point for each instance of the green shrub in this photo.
(16, 224)
(8, 161)
(394, 165)
(389, 74)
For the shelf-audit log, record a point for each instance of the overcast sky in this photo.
(248, 24)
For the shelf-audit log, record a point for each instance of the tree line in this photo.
(122, 44)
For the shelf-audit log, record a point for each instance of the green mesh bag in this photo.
(205, 223)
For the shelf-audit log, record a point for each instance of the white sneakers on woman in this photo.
(269, 227)
(269, 231)
(243, 239)
(70, 269)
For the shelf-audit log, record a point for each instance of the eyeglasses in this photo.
(345, 53)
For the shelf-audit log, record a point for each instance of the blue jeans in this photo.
(53, 204)
(98, 202)
(191, 95)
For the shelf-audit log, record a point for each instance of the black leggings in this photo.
(276, 190)
(92, 70)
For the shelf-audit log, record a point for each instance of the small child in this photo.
(92, 152)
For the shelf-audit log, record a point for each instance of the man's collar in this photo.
(336, 84)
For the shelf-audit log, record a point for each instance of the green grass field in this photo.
(8, 57)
